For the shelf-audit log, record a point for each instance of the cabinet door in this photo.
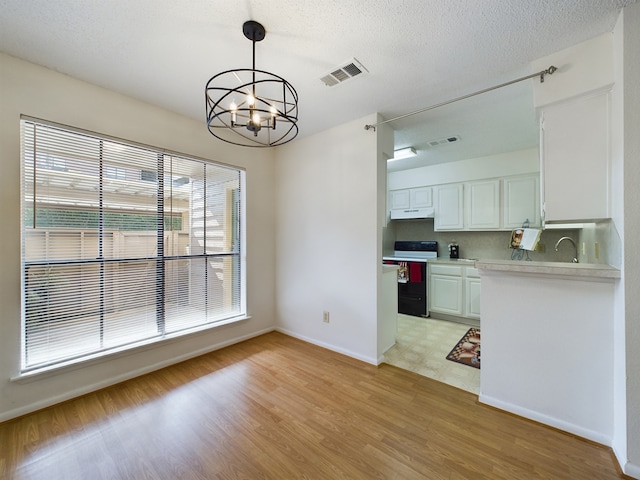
(449, 207)
(521, 202)
(421, 197)
(472, 294)
(575, 166)
(399, 199)
(446, 294)
(483, 205)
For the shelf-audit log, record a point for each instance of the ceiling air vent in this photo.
(344, 72)
(443, 141)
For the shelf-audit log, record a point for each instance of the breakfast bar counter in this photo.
(579, 270)
(548, 343)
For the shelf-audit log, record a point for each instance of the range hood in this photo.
(428, 212)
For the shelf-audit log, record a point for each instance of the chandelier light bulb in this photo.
(233, 107)
(251, 100)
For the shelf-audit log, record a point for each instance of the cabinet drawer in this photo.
(438, 269)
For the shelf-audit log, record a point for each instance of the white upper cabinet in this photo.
(411, 202)
(449, 214)
(482, 205)
(494, 204)
(421, 197)
(575, 158)
(521, 201)
(400, 199)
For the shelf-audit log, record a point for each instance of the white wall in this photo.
(387, 295)
(329, 235)
(582, 68)
(35, 91)
(598, 63)
(494, 166)
(547, 350)
(631, 265)
(619, 443)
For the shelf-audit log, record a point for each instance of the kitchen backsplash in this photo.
(489, 245)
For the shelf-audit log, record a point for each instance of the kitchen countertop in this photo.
(468, 262)
(566, 269)
(584, 270)
(389, 268)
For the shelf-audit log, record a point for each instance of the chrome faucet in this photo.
(575, 248)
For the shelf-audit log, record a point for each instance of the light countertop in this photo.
(465, 262)
(389, 268)
(585, 270)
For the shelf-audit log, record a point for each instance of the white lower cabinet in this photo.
(446, 290)
(472, 292)
(454, 290)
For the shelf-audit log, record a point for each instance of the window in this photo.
(122, 245)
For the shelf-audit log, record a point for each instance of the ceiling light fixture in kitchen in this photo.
(404, 153)
(244, 106)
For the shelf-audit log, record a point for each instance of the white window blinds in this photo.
(122, 245)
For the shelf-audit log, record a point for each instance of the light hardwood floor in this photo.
(277, 408)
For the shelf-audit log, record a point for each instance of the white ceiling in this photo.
(418, 53)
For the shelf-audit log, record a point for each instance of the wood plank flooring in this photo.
(278, 408)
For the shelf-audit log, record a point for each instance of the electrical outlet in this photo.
(325, 316)
(584, 248)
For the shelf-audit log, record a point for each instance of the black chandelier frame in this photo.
(252, 121)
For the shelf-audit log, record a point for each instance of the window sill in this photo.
(64, 367)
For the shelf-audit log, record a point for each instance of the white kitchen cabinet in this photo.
(449, 207)
(399, 199)
(575, 158)
(421, 197)
(521, 201)
(446, 289)
(482, 205)
(454, 290)
(490, 204)
(472, 292)
(411, 202)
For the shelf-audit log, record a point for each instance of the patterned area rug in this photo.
(467, 350)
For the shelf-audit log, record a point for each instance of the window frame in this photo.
(238, 275)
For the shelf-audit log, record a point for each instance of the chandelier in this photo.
(249, 107)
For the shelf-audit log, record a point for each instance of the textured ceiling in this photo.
(418, 53)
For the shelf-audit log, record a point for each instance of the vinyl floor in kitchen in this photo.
(422, 345)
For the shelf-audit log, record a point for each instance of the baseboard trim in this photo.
(577, 430)
(632, 470)
(48, 402)
(333, 348)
